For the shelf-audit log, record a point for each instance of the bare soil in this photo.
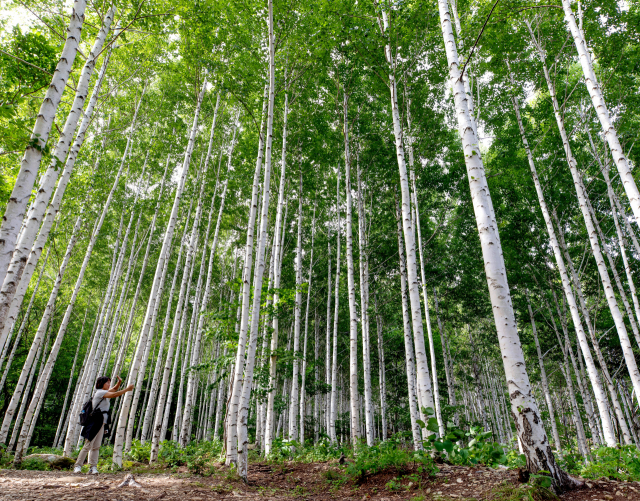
(291, 481)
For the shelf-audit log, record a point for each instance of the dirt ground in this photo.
(292, 481)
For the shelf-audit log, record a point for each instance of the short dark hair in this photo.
(101, 381)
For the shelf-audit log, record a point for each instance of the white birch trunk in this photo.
(424, 380)
(543, 378)
(381, 374)
(269, 423)
(195, 355)
(523, 406)
(599, 105)
(406, 323)
(297, 313)
(37, 210)
(40, 385)
(625, 343)
(334, 363)
(601, 398)
(17, 203)
(363, 268)
(351, 287)
(168, 237)
(306, 331)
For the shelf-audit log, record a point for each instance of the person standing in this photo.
(94, 430)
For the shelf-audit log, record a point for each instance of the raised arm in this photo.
(113, 394)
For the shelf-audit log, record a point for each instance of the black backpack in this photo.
(87, 411)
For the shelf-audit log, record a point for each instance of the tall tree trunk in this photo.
(297, 313)
(381, 374)
(43, 194)
(168, 237)
(523, 406)
(424, 380)
(195, 355)
(17, 203)
(600, 106)
(408, 348)
(601, 398)
(351, 288)
(43, 381)
(625, 343)
(334, 364)
(543, 378)
(306, 331)
(363, 265)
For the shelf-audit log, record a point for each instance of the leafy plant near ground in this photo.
(479, 449)
(324, 450)
(614, 463)
(510, 492)
(387, 454)
(199, 457)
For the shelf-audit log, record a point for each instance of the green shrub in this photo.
(387, 454)
(140, 452)
(621, 463)
(199, 457)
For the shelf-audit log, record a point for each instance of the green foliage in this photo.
(389, 454)
(479, 449)
(199, 457)
(621, 463)
(524, 492)
(140, 452)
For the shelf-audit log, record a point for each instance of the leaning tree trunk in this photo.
(306, 330)
(612, 302)
(334, 363)
(43, 194)
(270, 421)
(423, 378)
(523, 405)
(600, 106)
(297, 314)
(543, 378)
(42, 382)
(381, 374)
(414, 413)
(166, 244)
(601, 398)
(195, 355)
(17, 203)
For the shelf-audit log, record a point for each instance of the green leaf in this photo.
(448, 445)
(433, 425)
(421, 423)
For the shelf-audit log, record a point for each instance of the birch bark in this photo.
(17, 203)
(297, 313)
(43, 194)
(334, 363)
(205, 300)
(363, 266)
(600, 106)
(408, 348)
(351, 288)
(625, 343)
(44, 322)
(168, 237)
(601, 398)
(424, 380)
(523, 406)
(543, 378)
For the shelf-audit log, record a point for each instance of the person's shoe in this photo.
(93, 471)
(77, 469)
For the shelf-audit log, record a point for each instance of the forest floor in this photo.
(290, 481)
